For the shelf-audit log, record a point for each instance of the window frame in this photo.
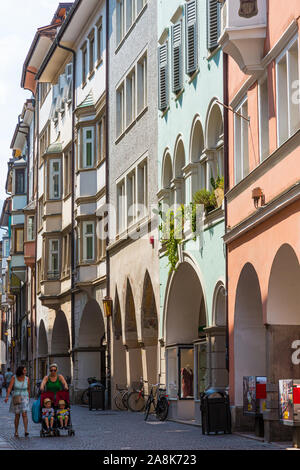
(19, 171)
(16, 230)
(84, 65)
(85, 236)
(50, 178)
(91, 58)
(86, 141)
(28, 227)
(238, 110)
(51, 273)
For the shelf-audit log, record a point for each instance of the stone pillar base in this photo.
(275, 431)
(241, 422)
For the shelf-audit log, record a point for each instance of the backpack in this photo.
(36, 411)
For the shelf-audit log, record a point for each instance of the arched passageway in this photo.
(149, 321)
(42, 351)
(60, 344)
(134, 365)
(249, 331)
(186, 342)
(119, 376)
(90, 351)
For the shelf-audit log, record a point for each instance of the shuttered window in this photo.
(191, 37)
(213, 23)
(163, 65)
(177, 76)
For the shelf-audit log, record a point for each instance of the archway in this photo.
(218, 338)
(90, 352)
(60, 344)
(197, 147)
(179, 164)
(119, 376)
(186, 341)
(283, 316)
(215, 141)
(133, 348)
(149, 321)
(249, 331)
(42, 351)
(167, 177)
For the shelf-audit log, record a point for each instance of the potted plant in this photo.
(218, 187)
(207, 198)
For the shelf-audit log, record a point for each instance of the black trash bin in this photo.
(96, 396)
(215, 411)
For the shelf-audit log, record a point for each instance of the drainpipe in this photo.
(108, 324)
(73, 199)
(226, 188)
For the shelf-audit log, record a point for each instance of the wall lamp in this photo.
(258, 195)
(107, 306)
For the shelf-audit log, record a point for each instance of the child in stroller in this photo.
(60, 396)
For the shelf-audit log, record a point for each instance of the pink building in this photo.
(261, 38)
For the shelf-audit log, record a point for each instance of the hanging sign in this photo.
(248, 8)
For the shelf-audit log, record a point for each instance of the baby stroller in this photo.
(62, 395)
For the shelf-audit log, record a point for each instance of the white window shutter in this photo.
(177, 76)
(191, 37)
(163, 65)
(213, 23)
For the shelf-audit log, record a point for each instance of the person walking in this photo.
(20, 400)
(1, 383)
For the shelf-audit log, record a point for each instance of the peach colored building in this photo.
(261, 38)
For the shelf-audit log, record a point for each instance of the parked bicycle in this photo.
(136, 399)
(121, 397)
(86, 393)
(159, 400)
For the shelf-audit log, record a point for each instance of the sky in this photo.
(19, 21)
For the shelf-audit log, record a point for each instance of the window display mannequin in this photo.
(187, 381)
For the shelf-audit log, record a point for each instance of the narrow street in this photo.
(111, 430)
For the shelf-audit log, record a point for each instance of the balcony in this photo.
(50, 291)
(243, 32)
(29, 254)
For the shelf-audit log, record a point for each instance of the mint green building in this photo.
(190, 153)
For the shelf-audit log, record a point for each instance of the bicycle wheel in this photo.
(125, 400)
(135, 401)
(119, 401)
(162, 409)
(85, 397)
(147, 408)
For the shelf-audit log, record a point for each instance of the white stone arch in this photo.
(197, 146)
(43, 349)
(219, 304)
(179, 163)
(167, 173)
(214, 139)
(187, 258)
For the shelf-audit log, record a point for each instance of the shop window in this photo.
(180, 372)
(172, 372)
(202, 369)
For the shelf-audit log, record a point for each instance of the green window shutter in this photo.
(213, 23)
(163, 66)
(191, 37)
(177, 76)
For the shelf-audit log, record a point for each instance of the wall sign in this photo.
(248, 8)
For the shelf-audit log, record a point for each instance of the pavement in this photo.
(116, 430)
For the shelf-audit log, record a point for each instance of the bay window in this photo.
(30, 228)
(20, 181)
(55, 179)
(53, 272)
(19, 240)
(88, 241)
(88, 147)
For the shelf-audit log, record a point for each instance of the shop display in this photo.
(289, 401)
(254, 395)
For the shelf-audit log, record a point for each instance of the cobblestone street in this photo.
(110, 430)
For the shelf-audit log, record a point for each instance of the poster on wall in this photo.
(249, 394)
(289, 401)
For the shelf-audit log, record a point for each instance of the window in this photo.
(141, 84)
(55, 179)
(263, 102)
(120, 20)
(84, 63)
(241, 146)
(44, 90)
(130, 98)
(143, 189)
(172, 372)
(44, 140)
(20, 181)
(91, 50)
(67, 173)
(39, 275)
(19, 240)
(99, 40)
(140, 5)
(88, 147)
(121, 208)
(120, 111)
(202, 369)
(213, 23)
(131, 198)
(101, 140)
(191, 37)
(40, 213)
(287, 81)
(6, 249)
(163, 78)
(177, 75)
(30, 228)
(88, 241)
(66, 255)
(53, 272)
(129, 13)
